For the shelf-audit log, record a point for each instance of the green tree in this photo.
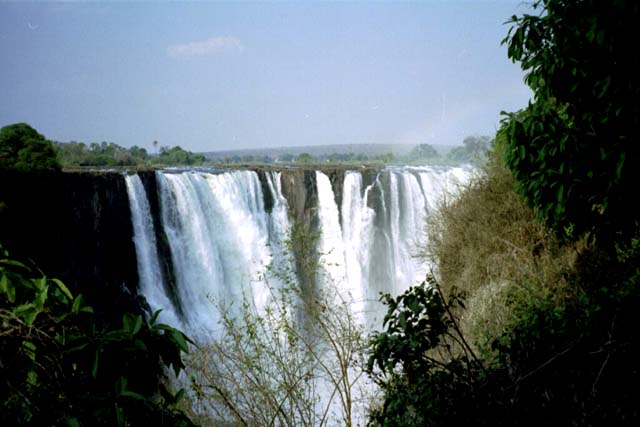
(23, 148)
(477, 146)
(304, 158)
(178, 156)
(388, 157)
(574, 150)
(423, 151)
(473, 149)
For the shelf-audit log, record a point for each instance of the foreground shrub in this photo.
(428, 373)
(556, 365)
(59, 367)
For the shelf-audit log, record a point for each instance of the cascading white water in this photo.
(330, 245)
(150, 276)
(279, 226)
(357, 223)
(218, 232)
(378, 246)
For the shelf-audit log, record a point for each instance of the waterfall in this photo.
(221, 237)
(151, 283)
(330, 245)
(357, 223)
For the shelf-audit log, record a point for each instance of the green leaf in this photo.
(94, 369)
(77, 348)
(63, 288)
(32, 378)
(41, 295)
(154, 318)
(619, 166)
(127, 323)
(77, 304)
(133, 395)
(27, 312)
(30, 349)
(137, 326)
(41, 283)
(120, 417)
(4, 284)
(13, 263)
(179, 339)
(179, 395)
(8, 288)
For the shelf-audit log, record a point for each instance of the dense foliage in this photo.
(574, 150)
(60, 366)
(23, 148)
(73, 154)
(178, 156)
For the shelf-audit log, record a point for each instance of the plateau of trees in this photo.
(473, 150)
(108, 154)
(22, 148)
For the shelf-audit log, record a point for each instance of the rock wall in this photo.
(76, 227)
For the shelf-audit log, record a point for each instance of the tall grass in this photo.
(488, 244)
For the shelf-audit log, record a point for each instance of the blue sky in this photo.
(217, 76)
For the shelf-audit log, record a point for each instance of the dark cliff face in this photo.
(300, 189)
(77, 227)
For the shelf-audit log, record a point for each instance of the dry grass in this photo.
(488, 243)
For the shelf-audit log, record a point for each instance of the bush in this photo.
(428, 373)
(59, 367)
(487, 243)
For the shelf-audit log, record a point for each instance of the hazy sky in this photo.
(215, 76)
